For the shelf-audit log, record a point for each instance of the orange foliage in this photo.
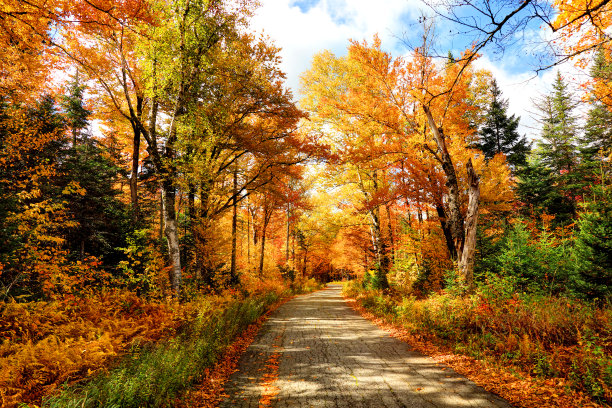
(369, 103)
(585, 22)
(45, 344)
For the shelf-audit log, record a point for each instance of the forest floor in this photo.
(316, 351)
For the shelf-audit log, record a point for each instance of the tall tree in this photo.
(596, 143)
(558, 146)
(77, 115)
(499, 132)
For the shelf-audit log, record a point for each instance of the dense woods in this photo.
(160, 185)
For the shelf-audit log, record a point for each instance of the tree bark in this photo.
(234, 224)
(391, 237)
(288, 230)
(454, 217)
(171, 233)
(267, 215)
(448, 236)
(380, 249)
(135, 160)
(466, 266)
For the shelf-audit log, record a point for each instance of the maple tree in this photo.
(382, 112)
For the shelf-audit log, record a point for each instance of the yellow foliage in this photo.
(45, 344)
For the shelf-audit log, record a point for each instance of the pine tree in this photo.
(593, 249)
(499, 133)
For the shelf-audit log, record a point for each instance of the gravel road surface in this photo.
(315, 351)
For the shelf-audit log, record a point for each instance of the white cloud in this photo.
(522, 89)
(321, 25)
(327, 24)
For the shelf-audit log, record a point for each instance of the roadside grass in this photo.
(154, 375)
(546, 337)
(157, 374)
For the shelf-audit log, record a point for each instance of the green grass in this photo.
(154, 376)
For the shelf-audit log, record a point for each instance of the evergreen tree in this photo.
(103, 220)
(538, 189)
(596, 143)
(558, 148)
(550, 183)
(74, 109)
(593, 249)
(499, 133)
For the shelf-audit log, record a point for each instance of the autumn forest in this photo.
(162, 189)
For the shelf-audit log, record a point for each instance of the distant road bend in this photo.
(315, 351)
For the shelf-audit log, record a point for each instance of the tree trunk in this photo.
(263, 253)
(466, 266)
(448, 236)
(171, 233)
(161, 215)
(267, 215)
(234, 224)
(380, 250)
(248, 235)
(287, 240)
(454, 217)
(135, 160)
(391, 237)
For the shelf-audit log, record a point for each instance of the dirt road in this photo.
(315, 351)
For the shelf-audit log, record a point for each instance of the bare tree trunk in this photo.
(135, 160)
(287, 240)
(447, 232)
(454, 218)
(380, 249)
(234, 223)
(267, 215)
(161, 215)
(391, 237)
(263, 252)
(466, 266)
(248, 234)
(171, 233)
(463, 230)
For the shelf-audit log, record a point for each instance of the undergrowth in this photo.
(117, 349)
(546, 336)
(154, 376)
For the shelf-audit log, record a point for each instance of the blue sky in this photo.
(304, 27)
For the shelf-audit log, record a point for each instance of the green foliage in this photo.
(76, 115)
(499, 133)
(540, 265)
(103, 220)
(591, 368)
(375, 279)
(593, 247)
(541, 192)
(559, 132)
(140, 268)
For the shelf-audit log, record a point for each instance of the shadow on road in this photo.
(332, 357)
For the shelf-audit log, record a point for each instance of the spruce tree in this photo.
(499, 133)
(549, 183)
(596, 143)
(558, 147)
(74, 109)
